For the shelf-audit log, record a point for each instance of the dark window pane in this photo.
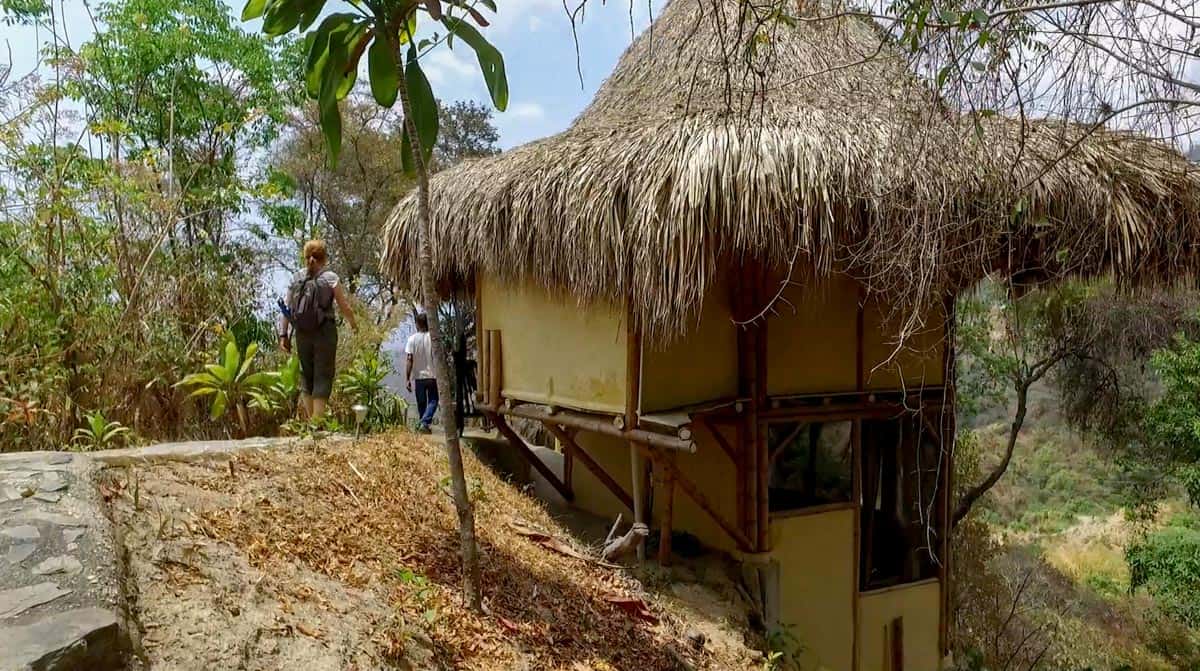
(811, 464)
(900, 516)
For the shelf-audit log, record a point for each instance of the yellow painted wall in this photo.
(590, 494)
(700, 366)
(715, 475)
(814, 349)
(919, 360)
(556, 351)
(919, 605)
(816, 585)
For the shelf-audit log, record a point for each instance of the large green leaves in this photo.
(491, 62)
(385, 75)
(331, 69)
(424, 111)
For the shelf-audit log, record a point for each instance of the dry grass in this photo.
(698, 156)
(376, 515)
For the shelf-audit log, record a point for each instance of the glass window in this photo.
(901, 515)
(811, 464)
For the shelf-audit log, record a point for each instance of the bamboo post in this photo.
(688, 487)
(495, 369)
(568, 465)
(597, 470)
(480, 346)
(667, 476)
(637, 468)
(763, 541)
(485, 367)
(633, 386)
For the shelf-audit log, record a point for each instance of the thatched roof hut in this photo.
(697, 154)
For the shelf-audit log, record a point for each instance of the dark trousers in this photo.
(427, 399)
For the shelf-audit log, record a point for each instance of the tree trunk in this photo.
(441, 368)
(975, 493)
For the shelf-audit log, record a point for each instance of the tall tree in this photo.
(346, 204)
(385, 30)
(465, 130)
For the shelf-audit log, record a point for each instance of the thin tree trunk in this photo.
(445, 386)
(975, 493)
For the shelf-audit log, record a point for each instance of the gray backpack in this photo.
(309, 301)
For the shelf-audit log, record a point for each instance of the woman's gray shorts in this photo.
(318, 353)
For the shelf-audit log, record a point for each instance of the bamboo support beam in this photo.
(533, 459)
(495, 368)
(577, 452)
(666, 522)
(577, 420)
(701, 500)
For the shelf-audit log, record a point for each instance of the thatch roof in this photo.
(691, 160)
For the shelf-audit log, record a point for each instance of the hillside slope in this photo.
(346, 558)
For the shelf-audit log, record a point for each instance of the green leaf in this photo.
(251, 350)
(318, 50)
(253, 9)
(385, 75)
(424, 110)
(262, 379)
(203, 391)
(199, 379)
(491, 62)
(220, 401)
(233, 359)
(979, 17)
(942, 76)
(282, 16)
(222, 375)
(331, 126)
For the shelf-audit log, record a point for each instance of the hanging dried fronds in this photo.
(703, 153)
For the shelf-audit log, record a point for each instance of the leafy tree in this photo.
(385, 30)
(345, 204)
(465, 130)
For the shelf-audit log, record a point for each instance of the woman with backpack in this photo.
(309, 311)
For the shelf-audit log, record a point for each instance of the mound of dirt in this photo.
(346, 557)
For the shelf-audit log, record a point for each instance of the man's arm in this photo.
(408, 371)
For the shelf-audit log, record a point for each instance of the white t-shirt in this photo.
(421, 348)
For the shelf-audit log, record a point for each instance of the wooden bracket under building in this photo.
(577, 452)
(534, 460)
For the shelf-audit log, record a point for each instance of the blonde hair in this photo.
(315, 249)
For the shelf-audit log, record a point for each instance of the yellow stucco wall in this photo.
(919, 605)
(814, 349)
(590, 494)
(918, 361)
(715, 475)
(556, 351)
(700, 366)
(816, 585)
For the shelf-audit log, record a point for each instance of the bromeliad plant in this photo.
(229, 382)
(278, 395)
(363, 382)
(99, 433)
(385, 30)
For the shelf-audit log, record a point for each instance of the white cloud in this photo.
(444, 65)
(535, 23)
(526, 112)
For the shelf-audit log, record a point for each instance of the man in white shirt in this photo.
(418, 366)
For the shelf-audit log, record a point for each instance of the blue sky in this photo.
(534, 36)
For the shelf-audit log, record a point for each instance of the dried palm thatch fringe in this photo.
(697, 155)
